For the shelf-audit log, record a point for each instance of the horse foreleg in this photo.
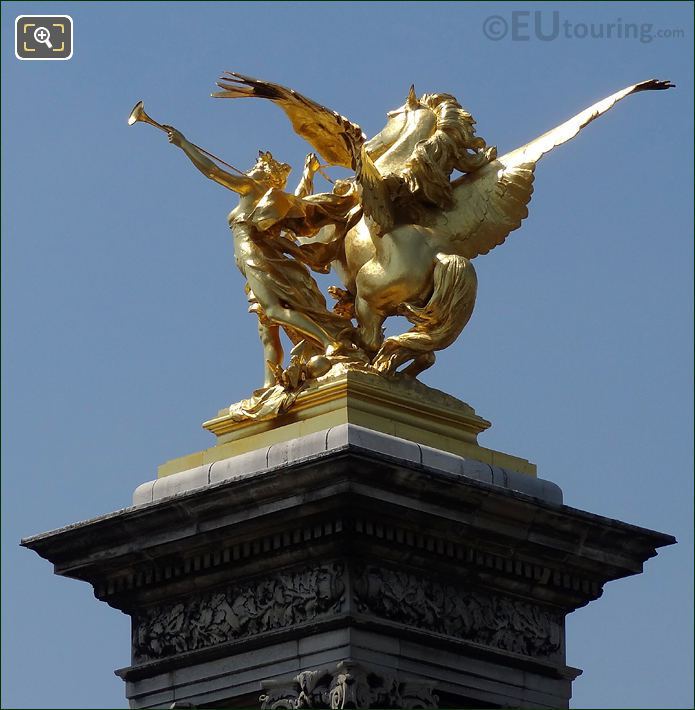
(370, 325)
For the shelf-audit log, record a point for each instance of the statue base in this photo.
(348, 567)
(397, 406)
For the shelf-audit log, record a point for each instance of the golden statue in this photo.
(400, 234)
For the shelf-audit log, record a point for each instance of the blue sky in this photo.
(125, 325)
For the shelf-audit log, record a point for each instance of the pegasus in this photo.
(410, 252)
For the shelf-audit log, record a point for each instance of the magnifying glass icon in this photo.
(43, 36)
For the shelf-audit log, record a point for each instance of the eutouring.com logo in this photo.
(543, 26)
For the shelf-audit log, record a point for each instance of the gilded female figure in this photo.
(280, 289)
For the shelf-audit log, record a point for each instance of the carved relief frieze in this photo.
(279, 601)
(488, 619)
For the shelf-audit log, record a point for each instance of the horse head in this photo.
(424, 141)
(406, 126)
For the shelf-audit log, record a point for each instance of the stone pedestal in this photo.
(348, 567)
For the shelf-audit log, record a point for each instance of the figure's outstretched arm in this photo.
(306, 184)
(240, 184)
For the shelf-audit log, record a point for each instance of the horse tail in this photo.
(437, 324)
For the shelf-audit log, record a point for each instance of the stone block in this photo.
(239, 466)
(181, 482)
(308, 445)
(143, 493)
(369, 440)
(441, 460)
(478, 470)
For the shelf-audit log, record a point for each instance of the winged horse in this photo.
(410, 252)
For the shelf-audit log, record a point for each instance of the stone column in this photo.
(348, 567)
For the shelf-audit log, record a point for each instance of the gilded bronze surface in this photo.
(400, 233)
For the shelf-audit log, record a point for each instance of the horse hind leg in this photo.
(438, 323)
(392, 355)
(420, 363)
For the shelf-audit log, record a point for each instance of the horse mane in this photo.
(452, 146)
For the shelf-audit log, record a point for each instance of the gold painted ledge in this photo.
(401, 407)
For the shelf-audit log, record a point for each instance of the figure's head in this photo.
(269, 171)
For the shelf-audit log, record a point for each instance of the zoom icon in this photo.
(43, 37)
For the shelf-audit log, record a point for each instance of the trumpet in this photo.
(138, 114)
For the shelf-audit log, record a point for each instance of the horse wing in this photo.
(491, 202)
(322, 128)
